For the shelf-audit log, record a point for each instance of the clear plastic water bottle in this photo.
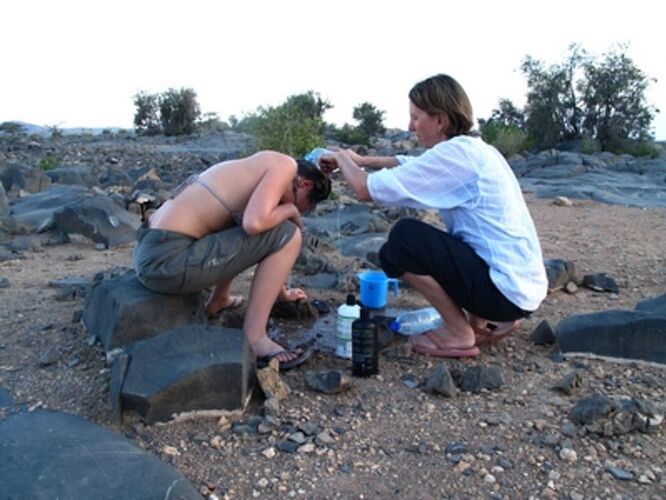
(314, 155)
(347, 313)
(418, 321)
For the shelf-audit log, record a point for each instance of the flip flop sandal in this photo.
(236, 302)
(496, 334)
(262, 361)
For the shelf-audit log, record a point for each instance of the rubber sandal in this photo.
(236, 302)
(494, 333)
(443, 352)
(263, 361)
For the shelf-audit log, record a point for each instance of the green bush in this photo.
(295, 127)
(508, 139)
(350, 135)
(639, 149)
(48, 163)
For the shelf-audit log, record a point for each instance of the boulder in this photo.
(188, 368)
(46, 454)
(99, 218)
(120, 311)
(615, 333)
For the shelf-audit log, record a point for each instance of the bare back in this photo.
(196, 212)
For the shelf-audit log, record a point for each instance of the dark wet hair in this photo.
(321, 187)
(442, 94)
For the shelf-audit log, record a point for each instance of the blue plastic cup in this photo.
(374, 288)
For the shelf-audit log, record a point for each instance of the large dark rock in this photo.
(16, 177)
(100, 219)
(6, 400)
(120, 311)
(4, 202)
(192, 367)
(35, 213)
(656, 305)
(77, 174)
(617, 333)
(48, 455)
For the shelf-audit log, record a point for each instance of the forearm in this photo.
(378, 161)
(355, 176)
(275, 217)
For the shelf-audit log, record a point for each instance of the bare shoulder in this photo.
(274, 160)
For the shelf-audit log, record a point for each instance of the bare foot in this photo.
(219, 304)
(441, 338)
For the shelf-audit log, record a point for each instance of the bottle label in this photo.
(343, 337)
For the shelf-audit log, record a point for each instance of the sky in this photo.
(78, 63)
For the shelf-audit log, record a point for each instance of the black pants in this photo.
(419, 248)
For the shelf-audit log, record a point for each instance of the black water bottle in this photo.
(365, 346)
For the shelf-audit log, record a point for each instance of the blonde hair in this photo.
(443, 94)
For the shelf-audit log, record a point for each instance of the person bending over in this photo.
(218, 223)
(485, 272)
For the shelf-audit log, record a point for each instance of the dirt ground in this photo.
(388, 438)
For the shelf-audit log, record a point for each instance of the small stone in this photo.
(489, 478)
(562, 201)
(171, 451)
(269, 452)
(568, 455)
(306, 448)
(620, 474)
(297, 437)
(262, 483)
(217, 442)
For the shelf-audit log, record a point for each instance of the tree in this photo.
(613, 94)
(146, 119)
(370, 119)
(179, 111)
(584, 98)
(552, 110)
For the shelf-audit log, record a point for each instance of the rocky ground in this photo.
(385, 437)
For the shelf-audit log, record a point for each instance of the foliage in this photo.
(146, 117)
(370, 123)
(179, 111)
(639, 148)
(584, 98)
(349, 134)
(174, 112)
(55, 131)
(370, 120)
(212, 123)
(613, 93)
(48, 163)
(508, 139)
(11, 128)
(294, 127)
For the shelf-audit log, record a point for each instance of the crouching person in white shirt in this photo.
(485, 273)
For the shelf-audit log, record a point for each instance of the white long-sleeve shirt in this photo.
(480, 201)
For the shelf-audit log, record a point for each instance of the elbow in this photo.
(251, 226)
(362, 193)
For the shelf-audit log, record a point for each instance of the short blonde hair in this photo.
(443, 94)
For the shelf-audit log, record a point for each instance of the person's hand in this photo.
(328, 163)
(355, 157)
(296, 218)
(291, 294)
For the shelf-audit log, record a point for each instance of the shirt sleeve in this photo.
(443, 177)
